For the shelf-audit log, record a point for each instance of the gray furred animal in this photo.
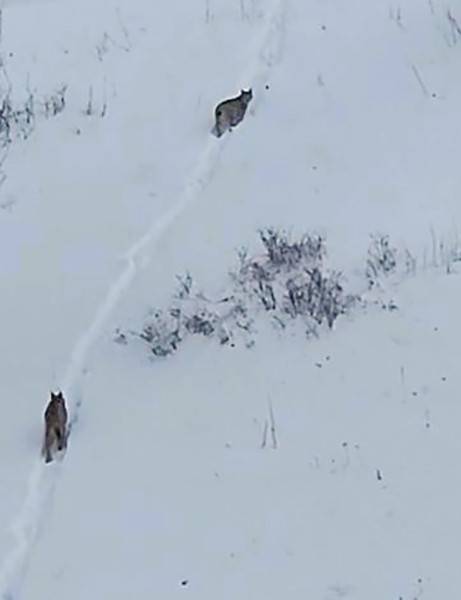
(55, 425)
(230, 113)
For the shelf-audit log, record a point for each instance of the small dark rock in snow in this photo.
(267, 86)
(379, 476)
(184, 582)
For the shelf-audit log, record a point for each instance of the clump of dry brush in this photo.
(288, 283)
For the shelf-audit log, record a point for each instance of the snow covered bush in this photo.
(18, 119)
(287, 283)
(55, 103)
(191, 313)
(290, 280)
(381, 260)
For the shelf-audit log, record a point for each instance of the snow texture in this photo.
(321, 466)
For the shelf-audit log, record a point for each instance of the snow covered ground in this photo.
(165, 489)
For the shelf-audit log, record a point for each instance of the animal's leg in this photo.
(217, 130)
(60, 437)
(43, 452)
(64, 438)
(47, 446)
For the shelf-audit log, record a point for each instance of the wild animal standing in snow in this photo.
(230, 113)
(55, 426)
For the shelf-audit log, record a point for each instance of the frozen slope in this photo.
(93, 185)
(165, 488)
(167, 492)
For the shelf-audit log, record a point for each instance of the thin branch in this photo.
(124, 29)
(273, 426)
(89, 106)
(420, 81)
(264, 440)
(207, 11)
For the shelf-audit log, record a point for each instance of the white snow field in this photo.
(165, 490)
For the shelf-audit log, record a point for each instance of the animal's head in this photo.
(246, 95)
(57, 397)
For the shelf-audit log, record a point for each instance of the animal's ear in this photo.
(59, 394)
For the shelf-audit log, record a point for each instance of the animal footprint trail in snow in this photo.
(42, 481)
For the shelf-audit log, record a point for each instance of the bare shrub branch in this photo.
(289, 281)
